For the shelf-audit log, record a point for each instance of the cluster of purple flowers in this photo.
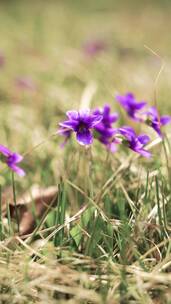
(136, 111)
(98, 124)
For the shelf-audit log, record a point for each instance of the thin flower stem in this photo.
(39, 144)
(15, 203)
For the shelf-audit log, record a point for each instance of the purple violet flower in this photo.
(81, 123)
(134, 142)
(12, 159)
(131, 106)
(104, 130)
(156, 121)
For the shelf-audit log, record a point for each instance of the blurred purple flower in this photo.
(131, 106)
(12, 159)
(2, 60)
(106, 136)
(107, 118)
(156, 121)
(25, 83)
(94, 47)
(66, 134)
(104, 130)
(81, 123)
(134, 142)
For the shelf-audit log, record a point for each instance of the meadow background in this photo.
(107, 239)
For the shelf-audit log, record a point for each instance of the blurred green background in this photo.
(46, 65)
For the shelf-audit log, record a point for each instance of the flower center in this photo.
(148, 121)
(82, 127)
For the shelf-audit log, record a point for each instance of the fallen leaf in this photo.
(30, 207)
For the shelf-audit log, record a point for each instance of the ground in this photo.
(105, 235)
